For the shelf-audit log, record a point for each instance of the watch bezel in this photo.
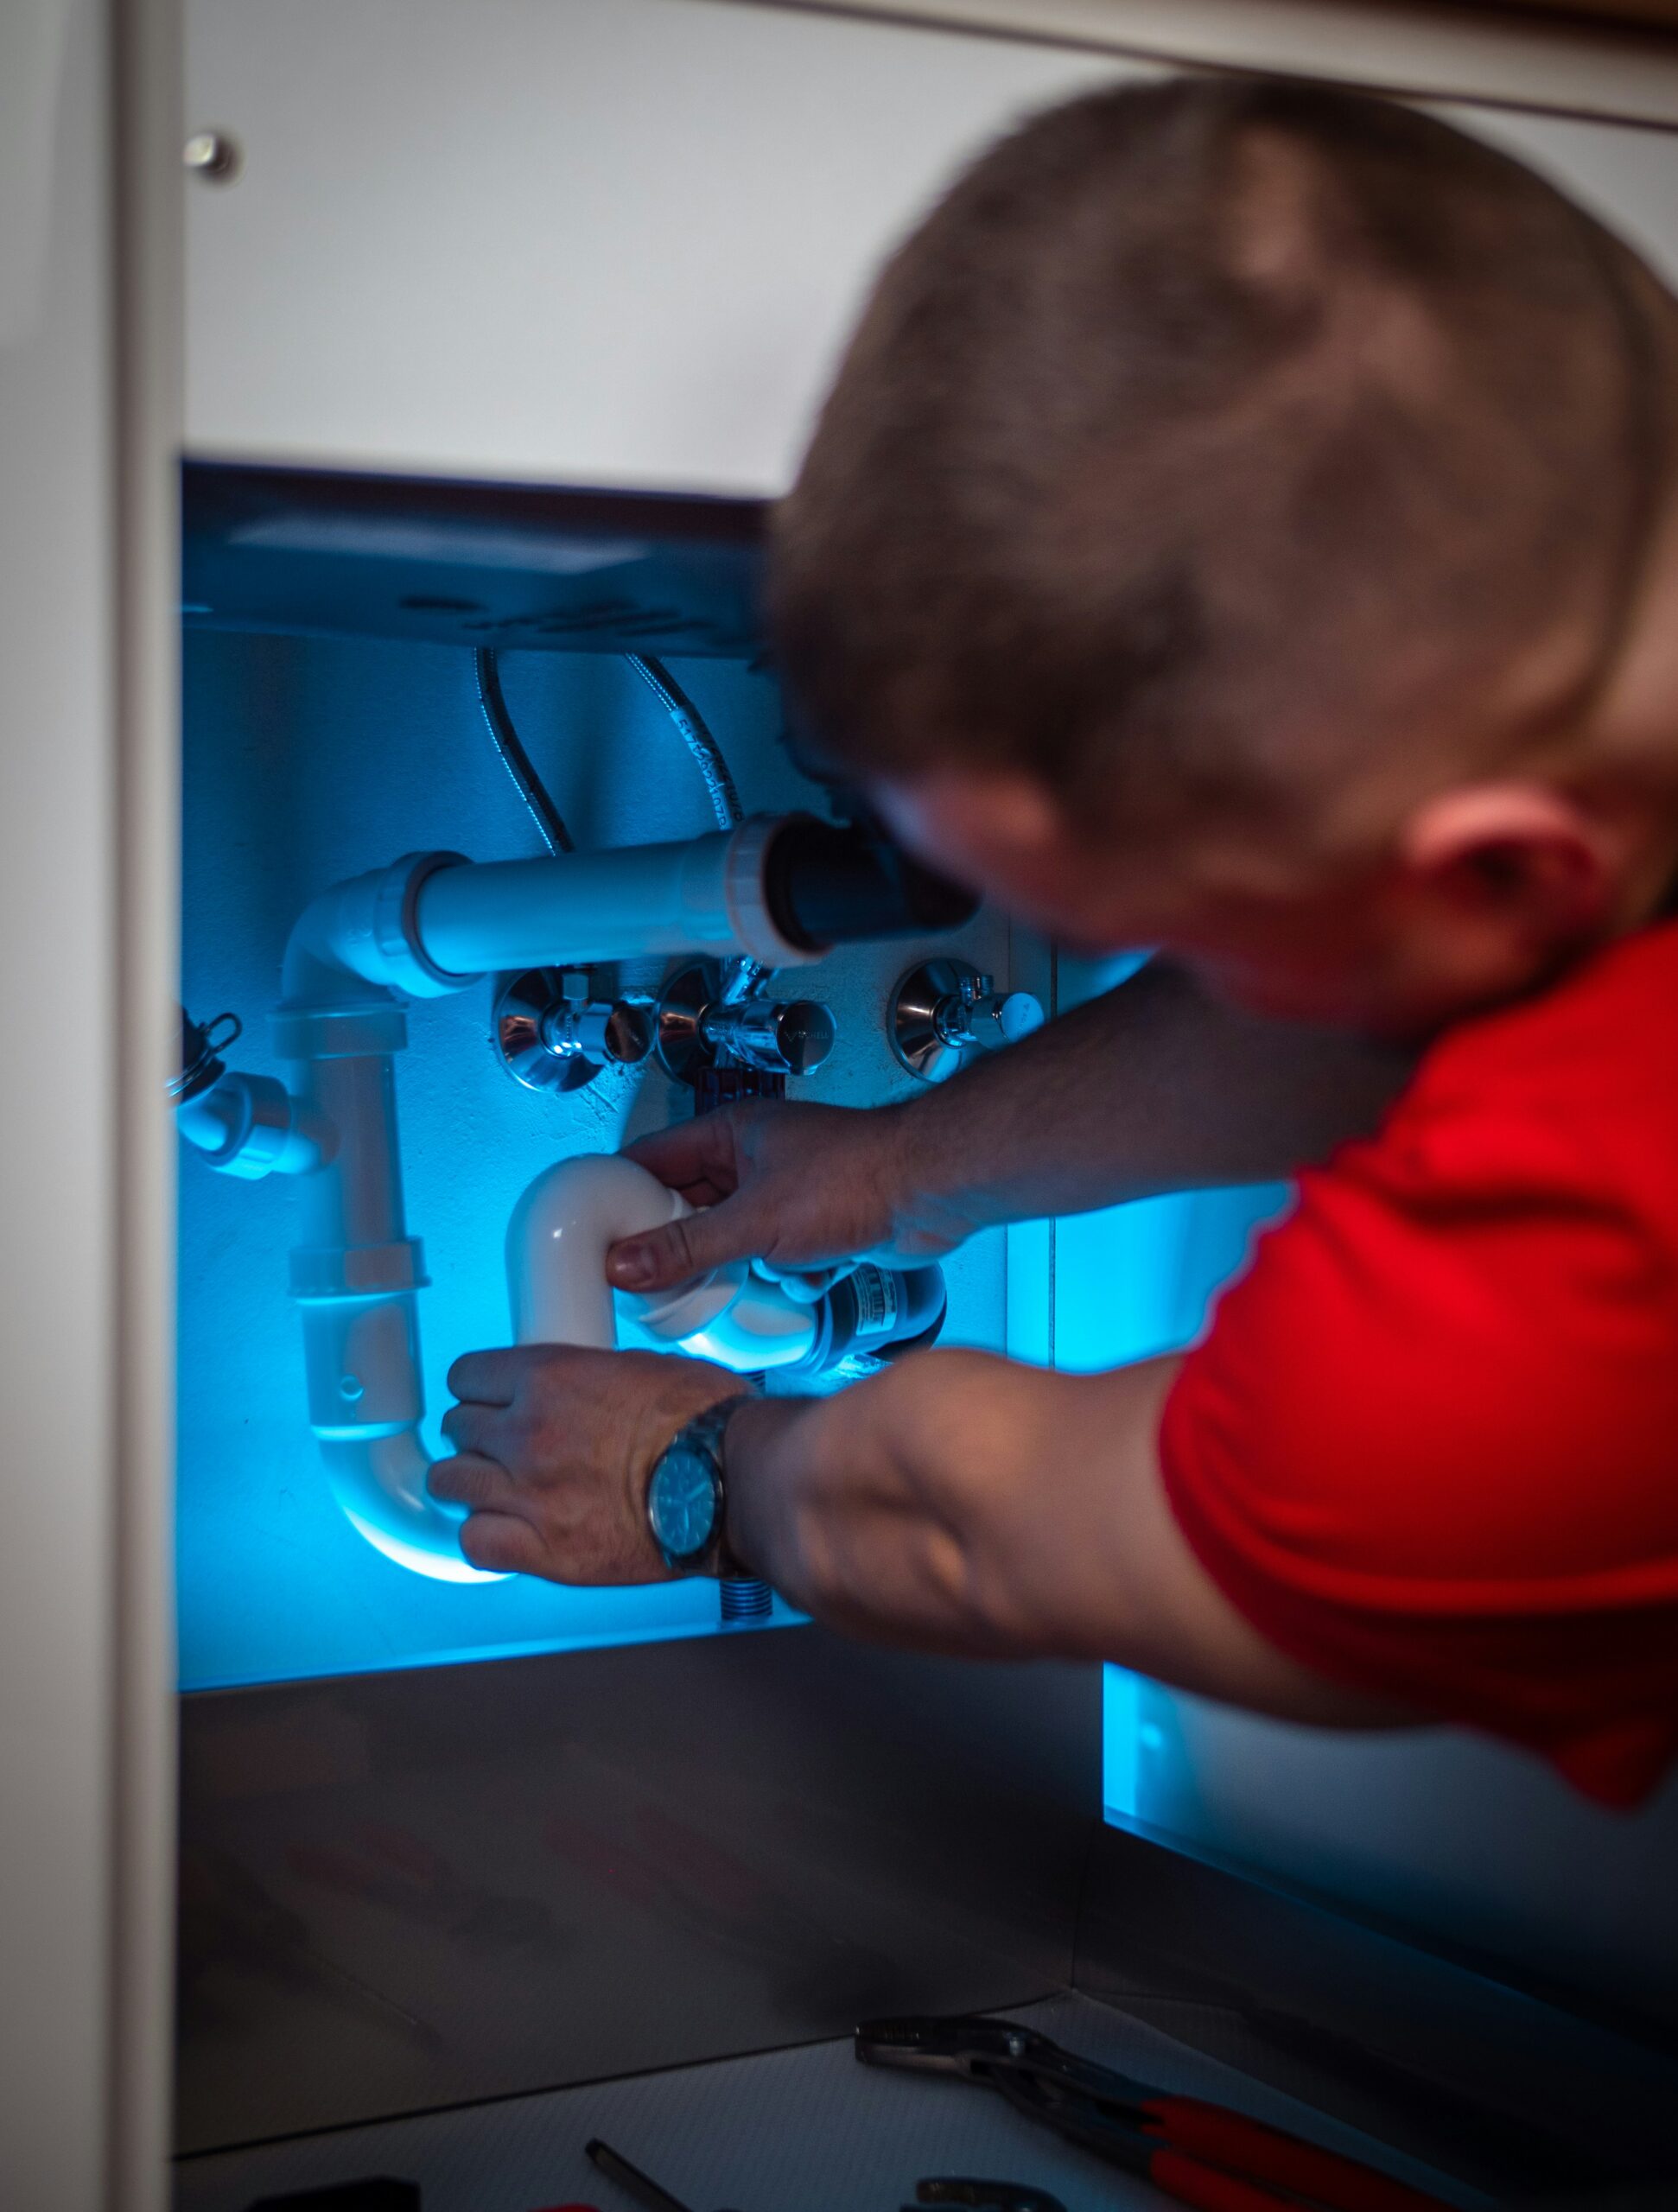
(703, 1435)
(683, 1562)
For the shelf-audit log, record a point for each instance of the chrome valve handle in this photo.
(946, 1012)
(550, 1035)
(700, 1026)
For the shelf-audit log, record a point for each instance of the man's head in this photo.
(1222, 533)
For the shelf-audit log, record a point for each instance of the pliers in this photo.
(1203, 2154)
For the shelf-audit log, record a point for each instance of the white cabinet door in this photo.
(594, 241)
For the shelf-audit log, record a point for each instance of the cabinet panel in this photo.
(608, 241)
(600, 241)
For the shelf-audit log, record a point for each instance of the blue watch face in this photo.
(681, 1502)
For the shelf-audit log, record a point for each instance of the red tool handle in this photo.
(1210, 2189)
(1248, 2147)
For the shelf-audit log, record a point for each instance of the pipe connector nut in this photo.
(756, 932)
(395, 927)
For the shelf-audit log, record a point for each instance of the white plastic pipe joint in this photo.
(557, 1240)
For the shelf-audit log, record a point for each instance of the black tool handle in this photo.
(641, 2186)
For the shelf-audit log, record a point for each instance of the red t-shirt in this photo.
(1430, 1444)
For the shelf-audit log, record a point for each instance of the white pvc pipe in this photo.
(557, 1240)
(249, 1126)
(354, 1275)
(378, 1480)
(761, 1329)
(703, 895)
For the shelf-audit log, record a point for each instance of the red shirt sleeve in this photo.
(1430, 1444)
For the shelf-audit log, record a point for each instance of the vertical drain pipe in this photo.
(356, 1272)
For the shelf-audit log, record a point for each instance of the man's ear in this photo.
(1520, 855)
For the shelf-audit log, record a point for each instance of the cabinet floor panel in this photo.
(805, 2130)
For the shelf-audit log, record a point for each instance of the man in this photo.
(1244, 523)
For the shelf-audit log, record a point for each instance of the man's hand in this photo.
(1152, 1088)
(554, 1445)
(802, 1187)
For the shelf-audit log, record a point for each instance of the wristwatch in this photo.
(687, 1503)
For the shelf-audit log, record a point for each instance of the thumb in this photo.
(682, 1248)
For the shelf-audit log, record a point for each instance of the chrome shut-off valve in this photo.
(946, 1012)
(701, 1025)
(550, 1034)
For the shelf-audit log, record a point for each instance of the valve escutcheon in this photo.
(944, 1013)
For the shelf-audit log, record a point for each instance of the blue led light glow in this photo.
(305, 762)
(1133, 1282)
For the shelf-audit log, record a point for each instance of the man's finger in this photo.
(471, 1480)
(501, 1545)
(695, 1157)
(475, 1427)
(490, 1377)
(683, 1249)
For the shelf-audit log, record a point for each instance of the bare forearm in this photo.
(885, 1510)
(1151, 1088)
(962, 1503)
